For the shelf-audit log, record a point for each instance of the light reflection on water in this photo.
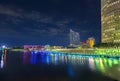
(3, 59)
(94, 63)
(76, 66)
(56, 59)
(103, 65)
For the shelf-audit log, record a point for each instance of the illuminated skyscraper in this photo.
(91, 42)
(110, 19)
(74, 38)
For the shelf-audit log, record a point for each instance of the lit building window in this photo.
(110, 20)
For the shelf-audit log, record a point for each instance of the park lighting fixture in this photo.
(3, 46)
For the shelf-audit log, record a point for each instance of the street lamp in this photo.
(3, 46)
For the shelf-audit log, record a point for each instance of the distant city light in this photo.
(3, 46)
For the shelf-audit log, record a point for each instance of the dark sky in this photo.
(48, 21)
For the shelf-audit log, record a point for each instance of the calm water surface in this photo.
(46, 66)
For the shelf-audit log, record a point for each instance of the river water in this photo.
(46, 66)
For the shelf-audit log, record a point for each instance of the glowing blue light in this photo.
(3, 46)
(2, 63)
(36, 52)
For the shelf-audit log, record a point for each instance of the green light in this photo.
(115, 61)
(102, 67)
(105, 60)
(110, 63)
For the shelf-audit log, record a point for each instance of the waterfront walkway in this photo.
(91, 52)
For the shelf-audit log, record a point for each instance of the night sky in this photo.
(48, 21)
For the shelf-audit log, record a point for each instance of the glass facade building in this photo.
(74, 38)
(110, 21)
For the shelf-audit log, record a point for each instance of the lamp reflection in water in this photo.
(3, 59)
(91, 63)
(53, 58)
(61, 58)
(103, 64)
(94, 63)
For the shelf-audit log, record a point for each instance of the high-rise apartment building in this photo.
(110, 20)
(74, 38)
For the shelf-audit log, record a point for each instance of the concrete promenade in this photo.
(102, 52)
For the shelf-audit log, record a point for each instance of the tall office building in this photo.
(74, 38)
(110, 20)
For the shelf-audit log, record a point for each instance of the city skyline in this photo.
(48, 22)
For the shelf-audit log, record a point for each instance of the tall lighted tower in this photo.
(74, 38)
(110, 21)
(91, 42)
